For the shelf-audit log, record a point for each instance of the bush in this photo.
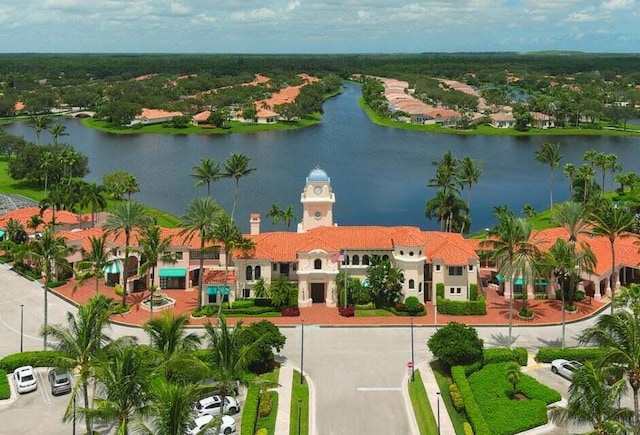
(503, 354)
(456, 398)
(422, 312)
(291, 312)
(456, 344)
(118, 308)
(262, 431)
(263, 302)
(462, 308)
(527, 314)
(243, 303)
(471, 408)
(540, 296)
(119, 289)
(548, 354)
(5, 390)
(412, 304)
(347, 311)
(440, 290)
(266, 404)
(36, 358)
(473, 292)
(54, 284)
(293, 297)
(579, 296)
(366, 307)
(468, 430)
(400, 307)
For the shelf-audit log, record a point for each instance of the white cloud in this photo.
(262, 14)
(178, 8)
(581, 17)
(618, 4)
(293, 5)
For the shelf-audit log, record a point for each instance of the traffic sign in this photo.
(410, 365)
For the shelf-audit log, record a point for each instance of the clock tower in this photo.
(317, 201)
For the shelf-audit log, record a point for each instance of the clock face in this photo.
(317, 190)
(317, 215)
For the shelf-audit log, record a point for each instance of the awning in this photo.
(176, 272)
(1, 234)
(519, 281)
(114, 267)
(217, 290)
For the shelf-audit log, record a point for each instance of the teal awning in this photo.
(217, 290)
(500, 278)
(519, 281)
(1, 234)
(175, 272)
(112, 268)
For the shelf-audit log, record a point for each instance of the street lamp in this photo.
(438, 408)
(413, 377)
(299, 413)
(21, 326)
(302, 354)
(74, 414)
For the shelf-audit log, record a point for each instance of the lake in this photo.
(379, 175)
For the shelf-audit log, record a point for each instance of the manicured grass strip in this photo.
(5, 390)
(269, 422)
(299, 392)
(373, 313)
(444, 380)
(250, 408)
(427, 423)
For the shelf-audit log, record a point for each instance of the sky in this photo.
(317, 26)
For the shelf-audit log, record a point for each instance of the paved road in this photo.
(357, 372)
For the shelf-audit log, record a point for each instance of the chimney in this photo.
(254, 223)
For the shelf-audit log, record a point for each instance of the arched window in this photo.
(412, 284)
(365, 260)
(317, 264)
(420, 287)
(385, 258)
(258, 272)
(249, 273)
(356, 260)
(346, 260)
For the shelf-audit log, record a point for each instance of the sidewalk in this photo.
(285, 381)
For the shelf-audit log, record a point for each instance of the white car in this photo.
(25, 379)
(227, 426)
(565, 368)
(211, 405)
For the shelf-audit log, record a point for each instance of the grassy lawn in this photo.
(421, 408)
(250, 408)
(373, 313)
(444, 380)
(299, 424)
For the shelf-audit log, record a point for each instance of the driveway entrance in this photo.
(317, 292)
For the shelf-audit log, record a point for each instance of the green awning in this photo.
(114, 267)
(217, 289)
(175, 272)
(1, 234)
(519, 281)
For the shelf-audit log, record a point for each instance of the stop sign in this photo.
(410, 365)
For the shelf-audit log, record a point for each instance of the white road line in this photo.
(378, 389)
(43, 389)
(18, 331)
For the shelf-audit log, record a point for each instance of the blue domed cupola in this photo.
(318, 175)
(317, 201)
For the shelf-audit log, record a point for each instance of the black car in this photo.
(60, 381)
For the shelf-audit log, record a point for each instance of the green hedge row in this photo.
(407, 314)
(5, 390)
(250, 410)
(36, 358)
(504, 354)
(366, 307)
(582, 354)
(462, 308)
(471, 407)
(212, 310)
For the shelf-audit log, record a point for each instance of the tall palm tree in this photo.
(93, 195)
(612, 165)
(79, 342)
(47, 161)
(40, 123)
(275, 213)
(601, 161)
(169, 337)
(612, 222)
(594, 402)
(450, 211)
(56, 131)
(94, 260)
(200, 219)
(207, 171)
(470, 171)
(34, 222)
(123, 379)
(237, 167)
(288, 216)
(618, 334)
(48, 254)
(549, 154)
(586, 174)
(126, 218)
(569, 172)
(130, 185)
(153, 247)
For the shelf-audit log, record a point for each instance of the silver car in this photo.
(60, 381)
(565, 368)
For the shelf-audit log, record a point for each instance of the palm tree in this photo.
(549, 154)
(612, 222)
(275, 213)
(169, 337)
(450, 211)
(123, 382)
(79, 342)
(569, 172)
(46, 164)
(206, 172)
(612, 165)
(593, 401)
(618, 335)
(470, 171)
(56, 131)
(201, 217)
(93, 195)
(40, 123)
(288, 216)
(586, 174)
(153, 247)
(95, 260)
(600, 160)
(34, 222)
(48, 254)
(126, 218)
(130, 185)
(237, 167)
(512, 373)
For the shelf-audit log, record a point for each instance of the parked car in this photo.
(211, 405)
(565, 368)
(227, 426)
(60, 381)
(25, 379)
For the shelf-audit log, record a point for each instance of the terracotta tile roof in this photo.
(23, 215)
(18, 106)
(80, 238)
(265, 113)
(156, 113)
(443, 113)
(202, 116)
(217, 277)
(145, 77)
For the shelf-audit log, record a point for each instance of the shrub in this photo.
(473, 292)
(440, 290)
(366, 307)
(400, 307)
(468, 430)
(293, 297)
(266, 404)
(262, 431)
(36, 358)
(503, 354)
(527, 314)
(119, 289)
(347, 311)
(540, 296)
(5, 390)
(243, 303)
(579, 296)
(471, 408)
(225, 305)
(54, 284)
(456, 398)
(548, 354)
(412, 304)
(456, 344)
(263, 302)
(290, 312)
(422, 312)
(462, 308)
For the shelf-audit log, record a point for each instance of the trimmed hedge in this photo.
(582, 354)
(440, 290)
(395, 311)
(456, 398)
(266, 404)
(471, 408)
(504, 354)
(462, 308)
(212, 310)
(366, 307)
(35, 358)
(243, 303)
(468, 430)
(5, 390)
(473, 292)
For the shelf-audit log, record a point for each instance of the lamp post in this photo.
(21, 326)
(302, 354)
(413, 368)
(438, 408)
(299, 414)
